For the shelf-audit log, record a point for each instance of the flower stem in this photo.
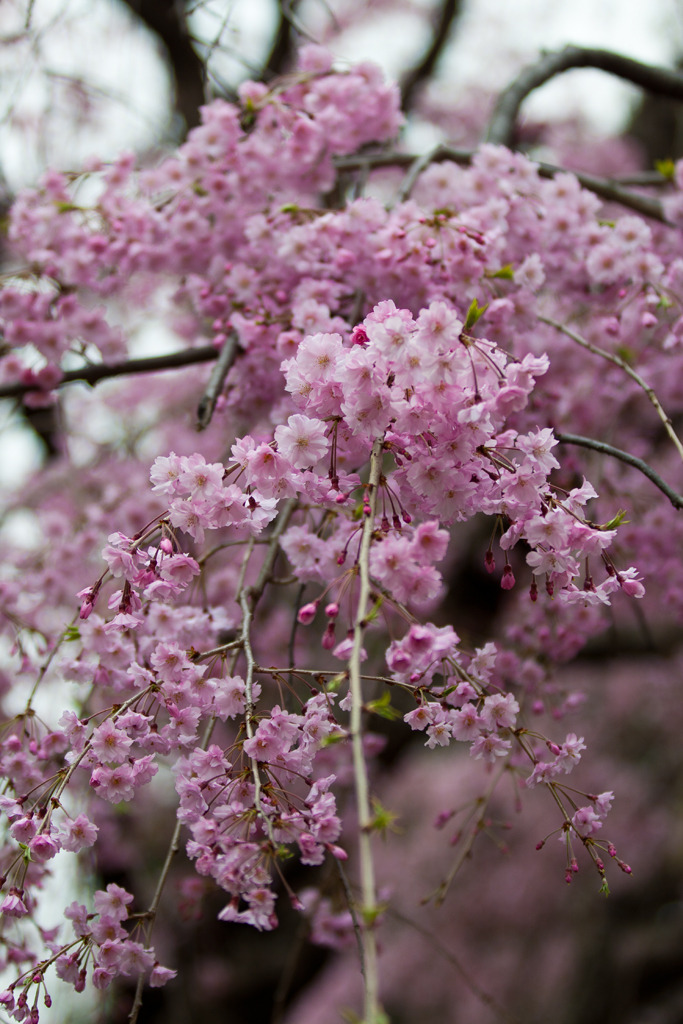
(367, 870)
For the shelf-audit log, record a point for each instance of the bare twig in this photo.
(623, 365)
(660, 81)
(102, 371)
(220, 371)
(630, 460)
(465, 973)
(439, 894)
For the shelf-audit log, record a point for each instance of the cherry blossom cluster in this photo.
(402, 374)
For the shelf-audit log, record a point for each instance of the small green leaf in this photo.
(334, 737)
(333, 684)
(382, 707)
(384, 820)
(372, 614)
(627, 354)
(615, 521)
(71, 633)
(667, 168)
(507, 273)
(473, 314)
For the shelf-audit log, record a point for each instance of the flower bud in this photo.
(307, 613)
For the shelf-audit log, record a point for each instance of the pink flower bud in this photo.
(633, 588)
(507, 581)
(307, 613)
(328, 637)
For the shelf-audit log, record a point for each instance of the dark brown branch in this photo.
(445, 15)
(603, 187)
(630, 460)
(280, 57)
(660, 81)
(166, 19)
(101, 371)
(220, 371)
(612, 192)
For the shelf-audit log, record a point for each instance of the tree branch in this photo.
(609, 190)
(630, 460)
(445, 15)
(623, 365)
(220, 371)
(280, 56)
(101, 371)
(166, 19)
(661, 81)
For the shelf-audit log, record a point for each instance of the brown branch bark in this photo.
(630, 460)
(607, 189)
(660, 81)
(445, 16)
(281, 52)
(166, 19)
(101, 371)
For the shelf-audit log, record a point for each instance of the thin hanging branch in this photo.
(367, 869)
(661, 81)
(630, 460)
(249, 598)
(623, 365)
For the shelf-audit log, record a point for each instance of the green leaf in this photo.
(334, 737)
(383, 819)
(372, 614)
(333, 684)
(507, 273)
(382, 707)
(615, 521)
(627, 354)
(473, 314)
(667, 168)
(71, 633)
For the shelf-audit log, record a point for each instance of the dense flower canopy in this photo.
(403, 375)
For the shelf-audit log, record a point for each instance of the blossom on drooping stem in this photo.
(467, 412)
